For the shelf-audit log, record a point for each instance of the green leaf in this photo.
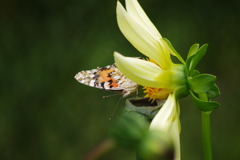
(193, 50)
(197, 57)
(201, 83)
(173, 51)
(205, 106)
(213, 92)
(143, 105)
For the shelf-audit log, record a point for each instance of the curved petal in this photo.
(167, 119)
(163, 119)
(139, 71)
(165, 61)
(138, 36)
(138, 14)
(174, 134)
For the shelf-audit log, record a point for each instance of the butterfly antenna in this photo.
(110, 118)
(111, 95)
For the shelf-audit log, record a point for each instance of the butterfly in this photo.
(107, 78)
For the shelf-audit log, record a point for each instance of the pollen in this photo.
(156, 93)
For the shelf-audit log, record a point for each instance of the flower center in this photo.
(156, 93)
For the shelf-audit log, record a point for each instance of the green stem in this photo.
(207, 148)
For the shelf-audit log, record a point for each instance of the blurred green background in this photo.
(46, 114)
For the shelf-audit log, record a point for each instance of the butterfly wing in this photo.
(107, 78)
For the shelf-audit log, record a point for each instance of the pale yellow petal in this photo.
(139, 71)
(138, 14)
(137, 35)
(167, 119)
(178, 111)
(174, 134)
(164, 117)
(165, 61)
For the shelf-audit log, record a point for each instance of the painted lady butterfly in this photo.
(108, 78)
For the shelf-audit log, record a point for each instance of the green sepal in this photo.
(213, 92)
(193, 50)
(193, 60)
(201, 83)
(175, 53)
(188, 63)
(205, 106)
(144, 106)
(181, 91)
(194, 73)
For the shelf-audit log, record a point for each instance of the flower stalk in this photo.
(206, 135)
